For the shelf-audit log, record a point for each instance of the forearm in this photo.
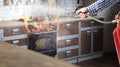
(100, 5)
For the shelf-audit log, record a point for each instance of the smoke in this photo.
(45, 10)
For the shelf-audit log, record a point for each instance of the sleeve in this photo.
(99, 5)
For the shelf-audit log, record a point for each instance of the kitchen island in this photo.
(14, 56)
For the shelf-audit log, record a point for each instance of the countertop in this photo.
(4, 24)
(14, 56)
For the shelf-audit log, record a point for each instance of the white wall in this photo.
(15, 12)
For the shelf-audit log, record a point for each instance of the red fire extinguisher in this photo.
(116, 35)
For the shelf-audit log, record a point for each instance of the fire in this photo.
(39, 24)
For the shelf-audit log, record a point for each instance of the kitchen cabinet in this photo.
(77, 39)
(67, 43)
(91, 37)
(91, 41)
(80, 39)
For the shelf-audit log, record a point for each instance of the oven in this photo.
(44, 43)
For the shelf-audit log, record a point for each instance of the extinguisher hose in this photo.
(103, 22)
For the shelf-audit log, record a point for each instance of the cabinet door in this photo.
(97, 40)
(85, 42)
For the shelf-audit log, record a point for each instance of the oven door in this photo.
(43, 43)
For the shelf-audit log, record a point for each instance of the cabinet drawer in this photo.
(94, 23)
(90, 23)
(14, 31)
(67, 42)
(68, 53)
(19, 42)
(68, 29)
(85, 24)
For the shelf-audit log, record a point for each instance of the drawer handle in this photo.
(68, 42)
(15, 31)
(92, 22)
(95, 31)
(67, 26)
(68, 53)
(16, 42)
(88, 32)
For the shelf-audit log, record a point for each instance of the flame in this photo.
(41, 26)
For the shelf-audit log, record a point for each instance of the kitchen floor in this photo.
(108, 60)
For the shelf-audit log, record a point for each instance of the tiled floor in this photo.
(109, 60)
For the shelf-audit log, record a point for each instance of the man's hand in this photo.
(81, 13)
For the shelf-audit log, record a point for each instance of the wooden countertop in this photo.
(4, 24)
(14, 56)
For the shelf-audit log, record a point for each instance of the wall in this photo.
(69, 6)
(109, 14)
(10, 11)
(15, 12)
(88, 2)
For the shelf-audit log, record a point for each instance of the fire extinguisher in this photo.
(116, 35)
